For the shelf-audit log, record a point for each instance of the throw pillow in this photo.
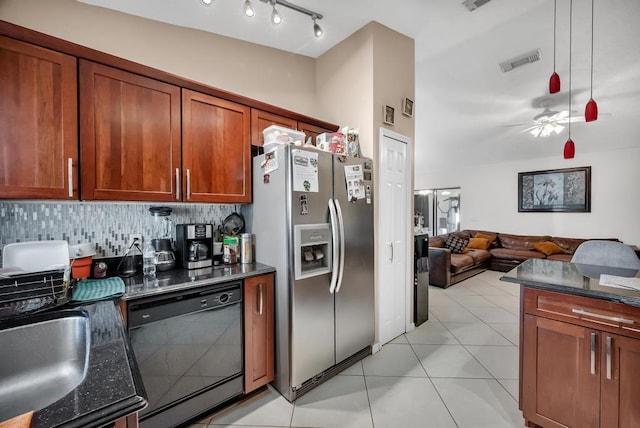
(489, 238)
(478, 243)
(548, 248)
(455, 244)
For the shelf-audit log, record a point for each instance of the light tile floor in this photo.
(459, 369)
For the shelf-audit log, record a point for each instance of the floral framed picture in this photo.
(555, 190)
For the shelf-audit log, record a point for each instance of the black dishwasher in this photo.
(188, 346)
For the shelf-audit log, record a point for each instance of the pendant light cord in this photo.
(591, 92)
(570, 33)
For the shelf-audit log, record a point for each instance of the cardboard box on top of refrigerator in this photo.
(333, 142)
(275, 136)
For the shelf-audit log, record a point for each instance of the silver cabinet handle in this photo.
(391, 255)
(608, 350)
(593, 353)
(70, 179)
(146, 316)
(177, 184)
(188, 183)
(602, 317)
(260, 300)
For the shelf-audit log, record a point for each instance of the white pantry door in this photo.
(394, 168)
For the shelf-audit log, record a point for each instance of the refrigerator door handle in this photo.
(341, 229)
(334, 246)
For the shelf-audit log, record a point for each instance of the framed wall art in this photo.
(555, 190)
(389, 115)
(407, 107)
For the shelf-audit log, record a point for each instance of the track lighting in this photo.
(317, 30)
(207, 2)
(248, 9)
(275, 16)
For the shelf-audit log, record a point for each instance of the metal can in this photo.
(246, 246)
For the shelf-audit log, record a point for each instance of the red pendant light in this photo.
(554, 81)
(591, 109)
(569, 146)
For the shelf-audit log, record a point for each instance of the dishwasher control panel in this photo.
(157, 308)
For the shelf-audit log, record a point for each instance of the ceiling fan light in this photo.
(554, 83)
(591, 111)
(569, 149)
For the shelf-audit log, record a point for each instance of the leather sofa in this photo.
(503, 252)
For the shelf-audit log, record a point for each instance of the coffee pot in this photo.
(161, 237)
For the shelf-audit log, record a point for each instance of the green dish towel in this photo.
(91, 290)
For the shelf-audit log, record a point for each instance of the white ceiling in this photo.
(463, 99)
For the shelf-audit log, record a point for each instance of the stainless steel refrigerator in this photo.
(312, 217)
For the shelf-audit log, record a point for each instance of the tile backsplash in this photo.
(106, 225)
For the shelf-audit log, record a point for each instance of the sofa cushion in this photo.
(515, 254)
(460, 262)
(478, 243)
(456, 244)
(520, 242)
(436, 241)
(479, 256)
(547, 248)
(564, 257)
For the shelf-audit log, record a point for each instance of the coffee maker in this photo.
(194, 245)
(161, 232)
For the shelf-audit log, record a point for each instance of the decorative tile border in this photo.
(105, 224)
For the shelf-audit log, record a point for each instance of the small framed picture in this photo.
(389, 115)
(407, 107)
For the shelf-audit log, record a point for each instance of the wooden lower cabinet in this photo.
(259, 318)
(576, 371)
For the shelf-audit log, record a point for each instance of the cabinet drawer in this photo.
(588, 312)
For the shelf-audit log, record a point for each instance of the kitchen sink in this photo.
(44, 357)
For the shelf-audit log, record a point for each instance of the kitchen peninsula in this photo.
(579, 344)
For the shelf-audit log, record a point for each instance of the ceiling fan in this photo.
(549, 122)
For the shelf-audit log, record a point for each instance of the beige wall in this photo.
(269, 75)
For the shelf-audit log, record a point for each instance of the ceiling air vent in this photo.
(523, 59)
(472, 5)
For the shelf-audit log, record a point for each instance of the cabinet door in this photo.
(620, 386)
(259, 365)
(38, 122)
(129, 135)
(560, 374)
(262, 119)
(216, 149)
(311, 131)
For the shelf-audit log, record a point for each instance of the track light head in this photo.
(248, 9)
(207, 2)
(275, 16)
(317, 30)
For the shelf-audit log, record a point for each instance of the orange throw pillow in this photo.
(489, 238)
(478, 243)
(548, 248)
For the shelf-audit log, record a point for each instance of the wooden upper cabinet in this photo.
(216, 149)
(311, 131)
(38, 122)
(261, 119)
(129, 135)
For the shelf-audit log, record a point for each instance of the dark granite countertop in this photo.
(180, 279)
(112, 387)
(573, 278)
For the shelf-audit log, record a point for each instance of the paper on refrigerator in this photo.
(354, 178)
(305, 171)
